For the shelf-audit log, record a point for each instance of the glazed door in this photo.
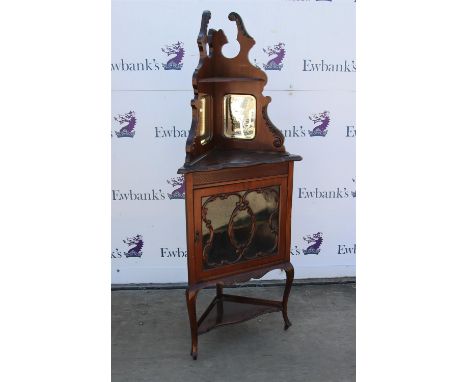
(239, 226)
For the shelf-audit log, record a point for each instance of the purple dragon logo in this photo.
(174, 63)
(314, 241)
(135, 251)
(276, 62)
(179, 192)
(323, 120)
(129, 121)
(136, 244)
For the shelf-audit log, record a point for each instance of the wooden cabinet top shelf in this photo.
(229, 79)
(218, 159)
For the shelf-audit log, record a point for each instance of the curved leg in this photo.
(219, 304)
(191, 296)
(289, 280)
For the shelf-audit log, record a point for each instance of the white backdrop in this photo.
(316, 79)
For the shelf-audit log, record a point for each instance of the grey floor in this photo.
(151, 338)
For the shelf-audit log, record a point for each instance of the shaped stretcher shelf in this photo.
(229, 309)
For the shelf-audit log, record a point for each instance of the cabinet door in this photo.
(239, 226)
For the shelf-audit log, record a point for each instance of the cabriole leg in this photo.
(191, 296)
(289, 280)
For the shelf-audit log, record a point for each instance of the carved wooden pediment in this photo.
(217, 78)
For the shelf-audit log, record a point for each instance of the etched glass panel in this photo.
(239, 116)
(240, 226)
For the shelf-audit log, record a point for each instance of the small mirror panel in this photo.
(204, 119)
(239, 116)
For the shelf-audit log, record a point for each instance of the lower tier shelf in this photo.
(229, 309)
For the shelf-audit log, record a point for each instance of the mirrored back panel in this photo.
(205, 130)
(239, 116)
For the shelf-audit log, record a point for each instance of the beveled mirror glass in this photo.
(239, 116)
(204, 119)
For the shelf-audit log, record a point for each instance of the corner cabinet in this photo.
(238, 186)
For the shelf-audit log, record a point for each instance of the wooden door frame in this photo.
(200, 273)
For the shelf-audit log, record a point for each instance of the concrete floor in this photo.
(151, 338)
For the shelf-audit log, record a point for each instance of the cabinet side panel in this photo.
(189, 219)
(287, 230)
